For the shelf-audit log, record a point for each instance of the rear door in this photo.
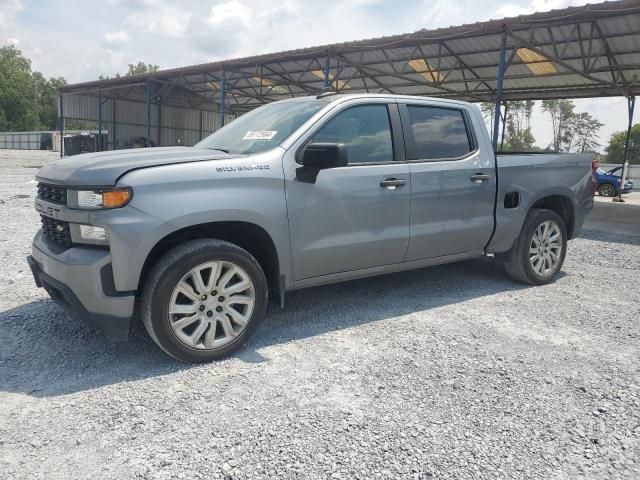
(354, 217)
(452, 179)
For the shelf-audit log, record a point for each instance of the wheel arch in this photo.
(249, 236)
(563, 206)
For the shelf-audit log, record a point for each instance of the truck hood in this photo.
(105, 168)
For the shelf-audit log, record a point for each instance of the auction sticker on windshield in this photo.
(261, 135)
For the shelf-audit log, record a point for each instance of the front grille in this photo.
(57, 231)
(52, 193)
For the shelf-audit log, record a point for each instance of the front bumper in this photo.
(80, 280)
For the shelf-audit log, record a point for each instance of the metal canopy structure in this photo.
(589, 51)
(577, 52)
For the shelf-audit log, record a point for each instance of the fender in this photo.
(533, 184)
(167, 199)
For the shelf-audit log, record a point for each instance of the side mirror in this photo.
(323, 155)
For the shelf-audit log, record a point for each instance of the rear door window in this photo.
(438, 133)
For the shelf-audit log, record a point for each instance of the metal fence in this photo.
(126, 120)
(25, 140)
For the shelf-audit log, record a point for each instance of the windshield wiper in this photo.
(219, 149)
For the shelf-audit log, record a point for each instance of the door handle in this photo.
(479, 178)
(392, 183)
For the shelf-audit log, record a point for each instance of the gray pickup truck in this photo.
(297, 193)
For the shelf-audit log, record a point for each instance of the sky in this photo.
(80, 40)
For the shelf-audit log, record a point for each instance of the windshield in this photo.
(601, 171)
(261, 129)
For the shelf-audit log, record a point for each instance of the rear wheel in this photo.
(538, 253)
(203, 300)
(607, 190)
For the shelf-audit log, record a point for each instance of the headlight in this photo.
(89, 199)
(92, 199)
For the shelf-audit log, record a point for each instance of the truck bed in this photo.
(525, 179)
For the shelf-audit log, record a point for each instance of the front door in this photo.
(357, 216)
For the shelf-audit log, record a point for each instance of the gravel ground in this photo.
(447, 372)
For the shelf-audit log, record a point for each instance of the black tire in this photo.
(517, 262)
(165, 275)
(607, 190)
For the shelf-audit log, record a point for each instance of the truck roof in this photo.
(330, 97)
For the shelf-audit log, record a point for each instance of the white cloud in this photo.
(513, 10)
(441, 13)
(13, 41)
(286, 8)
(8, 10)
(168, 21)
(117, 37)
(229, 11)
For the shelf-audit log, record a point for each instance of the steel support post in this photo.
(631, 105)
(326, 81)
(159, 121)
(113, 124)
(223, 98)
(504, 124)
(500, 80)
(61, 126)
(148, 114)
(99, 145)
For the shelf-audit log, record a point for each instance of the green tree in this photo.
(615, 149)
(28, 100)
(102, 76)
(16, 91)
(488, 110)
(141, 67)
(135, 69)
(518, 135)
(562, 116)
(572, 131)
(584, 136)
(46, 100)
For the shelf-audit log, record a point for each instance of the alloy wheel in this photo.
(545, 250)
(607, 190)
(211, 305)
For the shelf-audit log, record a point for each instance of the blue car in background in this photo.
(609, 182)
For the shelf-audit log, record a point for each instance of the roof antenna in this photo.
(326, 92)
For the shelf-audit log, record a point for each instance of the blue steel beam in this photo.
(502, 66)
(223, 99)
(504, 124)
(326, 82)
(113, 124)
(148, 114)
(625, 158)
(99, 121)
(61, 127)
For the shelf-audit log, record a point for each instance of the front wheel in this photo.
(203, 300)
(538, 253)
(607, 190)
